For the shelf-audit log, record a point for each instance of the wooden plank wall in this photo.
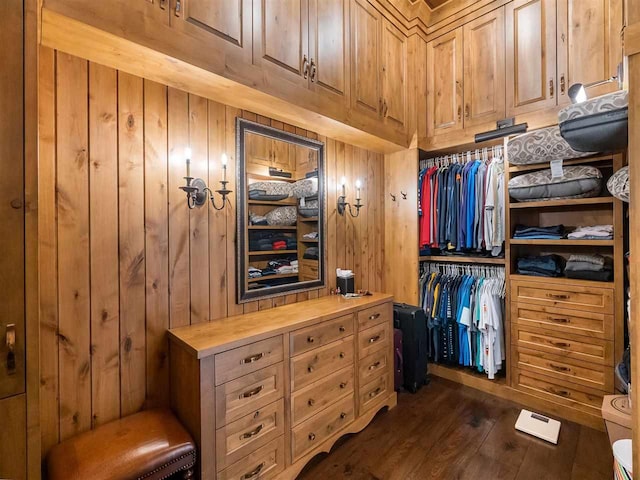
(124, 259)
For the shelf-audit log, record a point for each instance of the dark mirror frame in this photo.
(244, 295)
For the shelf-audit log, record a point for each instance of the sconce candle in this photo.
(187, 154)
(224, 159)
(343, 183)
(358, 185)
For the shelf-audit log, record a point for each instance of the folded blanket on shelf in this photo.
(312, 253)
(540, 266)
(603, 232)
(554, 232)
(311, 236)
(595, 259)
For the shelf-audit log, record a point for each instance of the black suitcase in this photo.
(599, 132)
(413, 323)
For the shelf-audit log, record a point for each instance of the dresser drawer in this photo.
(373, 339)
(247, 394)
(373, 365)
(592, 324)
(557, 391)
(310, 434)
(244, 360)
(591, 375)
(315, 336)
(265, 463)
(310, 400)
(592, 350)
(374, 392)
(320, 362)
(572, 297)
(369, 317)
(238, 439)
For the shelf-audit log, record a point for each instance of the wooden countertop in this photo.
(205, 339)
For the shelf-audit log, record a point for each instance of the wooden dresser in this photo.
(263, 393)
(562, 335)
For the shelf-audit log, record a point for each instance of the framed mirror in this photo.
(280, 198)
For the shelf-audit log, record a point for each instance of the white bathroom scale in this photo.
(539, 426)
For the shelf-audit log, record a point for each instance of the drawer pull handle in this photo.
(562, 393)
(341, 354)
(374, 316)
(559, 319)
(375, 392)
(254, 473)
(343, 416)
(374, 339)
(342, 329)
(559, 368)
(343, 385)
(558, 297)
(312, 436)
(252, 358)
(309, 369)
(561, 344)
(252, 393)
(310, 339)
(252, 433)
(375, 365)
(311, 402)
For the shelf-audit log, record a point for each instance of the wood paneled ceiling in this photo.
(432, 4)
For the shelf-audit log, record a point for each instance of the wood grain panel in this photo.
(105, 308)
(174, 266)
(73, 246)
(132, 248)
(156, 243)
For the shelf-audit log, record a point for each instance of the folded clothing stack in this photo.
(267, 241)
(589, 267)
(592, 232)
(255, 219)
(312, 253)
(310, 236)
(255, 272)
(540, 266)
(555, 232)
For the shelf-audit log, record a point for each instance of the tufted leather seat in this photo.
(150, 445)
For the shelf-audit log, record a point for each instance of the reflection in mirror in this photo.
(280, 212)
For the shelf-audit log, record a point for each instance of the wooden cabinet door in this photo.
(13, 438)
(484, 69)
(589, 44)
(445, 84)
(223, 24)
(329, 48)
(258, 151)
(283, 156)
(531, 56)
(280, 38)
(366, 94)
(113, 12)
(394, 76)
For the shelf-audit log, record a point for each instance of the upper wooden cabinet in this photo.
(225, 24)
(484, 69)
(329, 47)
(531, 56)
(394, 76)
(589, 43)
(365, 51)
(444, 83)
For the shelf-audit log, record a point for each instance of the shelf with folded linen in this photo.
(273, 252)
(578, 266)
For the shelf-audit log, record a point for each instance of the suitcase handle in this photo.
(399, 356)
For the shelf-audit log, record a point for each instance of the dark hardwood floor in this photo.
(447, 431)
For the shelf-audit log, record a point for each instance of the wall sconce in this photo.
(342, 199)
(197, 190)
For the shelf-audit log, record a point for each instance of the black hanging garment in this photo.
(413, 323)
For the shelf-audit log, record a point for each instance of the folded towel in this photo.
(587, 258)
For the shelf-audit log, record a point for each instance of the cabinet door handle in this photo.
(459, 112)
(563, 84)
(374, 365)
(342, 329)
(375, 316)
(557, 297)
(385, 107)
(314, 70)
(343, 385)
(311, 402)
(374, 339)
(343, 416)
(178, 10)
(562, 393)
(467, 111)
(252, 358)
(309, 369)
(252, 393)
(10, 339)
(253, 473)
(551, 89)
(252, 433)
(559, 319)
(305, 67)
(342, 355)
(559, 368)
(163, 4)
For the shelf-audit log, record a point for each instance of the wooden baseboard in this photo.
(500, 389)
